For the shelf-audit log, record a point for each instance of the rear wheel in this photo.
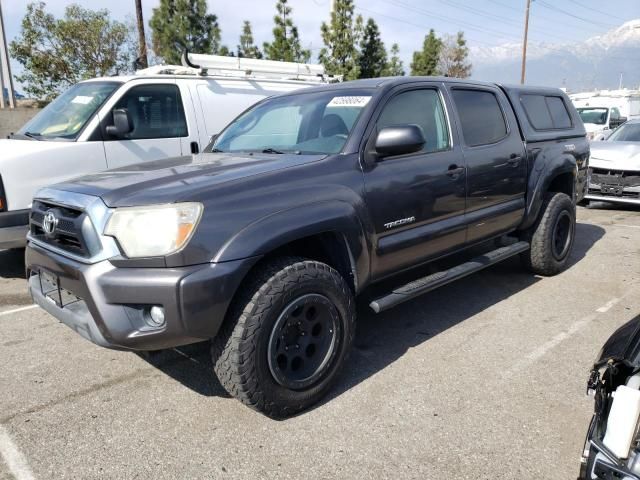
(287, 336)
(552, 236)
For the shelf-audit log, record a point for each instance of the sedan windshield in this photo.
(629, 132)
(66, 116)
(597, 116)
(304, 123)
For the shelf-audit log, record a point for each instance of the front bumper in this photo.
(13, 229)
(622, 187)
(111, 305)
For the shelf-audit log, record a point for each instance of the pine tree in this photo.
(340, 54)
(394, 67)
(425, 61)
(286, 40)
(453, 57)
(372, 59)
(247, 48)
(180, 24)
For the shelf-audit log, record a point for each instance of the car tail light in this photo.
(3, 199)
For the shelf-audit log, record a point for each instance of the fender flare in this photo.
(539, 183)
(276, 230)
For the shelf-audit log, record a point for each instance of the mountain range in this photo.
(596, 63)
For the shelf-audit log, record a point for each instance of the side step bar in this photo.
(433, 281)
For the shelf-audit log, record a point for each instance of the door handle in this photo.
(514, 159)
(454, 171)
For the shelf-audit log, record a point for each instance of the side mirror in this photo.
(399, 140)
(121, 123)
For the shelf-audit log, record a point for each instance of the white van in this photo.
(162, 111)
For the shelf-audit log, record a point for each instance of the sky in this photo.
(485, 22)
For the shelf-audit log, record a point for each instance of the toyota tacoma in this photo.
(261, 243)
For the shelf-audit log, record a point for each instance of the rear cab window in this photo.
(481, 117)
(546, 112)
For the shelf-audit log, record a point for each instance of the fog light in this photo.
(156, 316)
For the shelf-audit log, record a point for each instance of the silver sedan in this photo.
(614, 166)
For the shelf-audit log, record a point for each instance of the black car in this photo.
(612, 448)
(262, 243)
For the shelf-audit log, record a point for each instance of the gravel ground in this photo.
(481, 379)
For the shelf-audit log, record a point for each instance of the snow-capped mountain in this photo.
(595, 63)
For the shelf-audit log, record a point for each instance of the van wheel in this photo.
(551, 237)
(287, 336)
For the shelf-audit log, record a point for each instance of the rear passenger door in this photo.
(157, 117)
(416, 200)
(495, 158)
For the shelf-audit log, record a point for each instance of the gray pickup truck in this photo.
(262, 242)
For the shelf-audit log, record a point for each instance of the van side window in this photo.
(155, 111)
(546, 112)
(480, 115)
(422, 108)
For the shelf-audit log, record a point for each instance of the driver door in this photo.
(417, 200)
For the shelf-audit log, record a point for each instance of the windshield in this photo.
(66, 116)
(304, 123)
(629, 132)
(593, 115)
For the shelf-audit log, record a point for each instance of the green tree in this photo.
(286, 40)
(340, 54)
(180, 24)
(425, 61)
(247, 48)
(394, 67)
(453, 57)
(57, 53)
(372, 59)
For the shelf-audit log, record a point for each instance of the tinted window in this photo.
(546, 112)
(155, 111)
(422, 108)
(537, 111)
(559, 113)
(480, 115)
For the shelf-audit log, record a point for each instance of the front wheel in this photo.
(552, 236)
(287, 336)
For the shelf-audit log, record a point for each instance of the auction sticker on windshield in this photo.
(82, 99)
(349, 101)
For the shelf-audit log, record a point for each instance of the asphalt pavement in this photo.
(482, 379)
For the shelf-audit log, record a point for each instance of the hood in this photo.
(593, 127)
(175, 179)
(622, 346)
(615, 155)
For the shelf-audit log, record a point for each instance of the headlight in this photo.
(155, 230)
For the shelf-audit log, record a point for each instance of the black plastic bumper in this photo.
(113, 301)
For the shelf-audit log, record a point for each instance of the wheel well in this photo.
(563, 183)
(329, 247)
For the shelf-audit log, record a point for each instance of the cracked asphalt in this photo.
(482, 379)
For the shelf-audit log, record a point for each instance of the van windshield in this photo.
(597, 116)
(66, 116)
(302, 123)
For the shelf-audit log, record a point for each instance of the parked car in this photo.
(598, 121)
(299, 205)
(612, 447)
(160, 112)
(614, 166)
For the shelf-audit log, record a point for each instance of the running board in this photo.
(431, 282)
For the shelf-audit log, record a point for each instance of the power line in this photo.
(609, 14)
(586, 20)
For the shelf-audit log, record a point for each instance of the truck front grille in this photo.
(601, 176)
(70, 231)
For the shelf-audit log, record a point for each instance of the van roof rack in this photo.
(238, 67)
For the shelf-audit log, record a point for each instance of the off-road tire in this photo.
(240, 350)
(545, 258)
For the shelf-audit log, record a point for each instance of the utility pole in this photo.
(5, 68)
(524, 43)
(142, 40)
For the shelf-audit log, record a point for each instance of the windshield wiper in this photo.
(280, 152)
(215, 150)
(35, 136)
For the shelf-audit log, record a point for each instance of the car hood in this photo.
(175, 179)
(615, 155)
(593, 127)
(622, 346)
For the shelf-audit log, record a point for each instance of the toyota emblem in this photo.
(49, 222)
